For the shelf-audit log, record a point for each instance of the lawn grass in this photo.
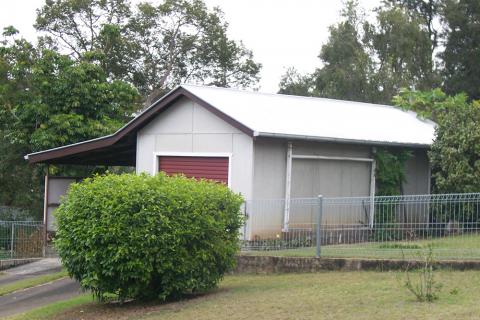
(51, 310)
(326, 295)
(463, 247)
(31, 282)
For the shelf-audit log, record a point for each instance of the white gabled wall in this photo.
(188, 128)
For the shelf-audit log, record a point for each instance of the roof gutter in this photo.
(339, 140)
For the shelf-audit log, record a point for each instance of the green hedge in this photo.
(138, 236)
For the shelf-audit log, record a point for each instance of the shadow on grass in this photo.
(133, 309)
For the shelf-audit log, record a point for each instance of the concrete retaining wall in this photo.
(10, 263)
(267, 264)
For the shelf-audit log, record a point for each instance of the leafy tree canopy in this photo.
(461, 56)
(294, 83)
(53, 100)
(428, 10)
(455, 153)
(427, 104)
(154, 47)
(403, 52)
(371, 61)
(48, 100)
(346, 64)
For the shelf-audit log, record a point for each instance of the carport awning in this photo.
(101, 151)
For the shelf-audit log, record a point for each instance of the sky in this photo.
(281, 33)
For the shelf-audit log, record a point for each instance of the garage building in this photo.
(264, 146)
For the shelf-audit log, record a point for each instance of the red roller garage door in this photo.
(213, 168)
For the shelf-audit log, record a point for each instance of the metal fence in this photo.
(21, 239)
(370, 227)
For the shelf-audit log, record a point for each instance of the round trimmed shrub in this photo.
(143, 237)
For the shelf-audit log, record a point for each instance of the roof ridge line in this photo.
(186, 85)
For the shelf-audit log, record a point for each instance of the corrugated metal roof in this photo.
(318, 118)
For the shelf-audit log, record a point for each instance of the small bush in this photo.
(425, 288)
(138, 236)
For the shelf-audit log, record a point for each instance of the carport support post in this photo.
(288, 186)
(45, 211)
(319, 224)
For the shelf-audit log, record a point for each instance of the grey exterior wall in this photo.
(310, 178)
(330, 178)
(270, 168)
(57, 188)
(417, 173)
(187, 128)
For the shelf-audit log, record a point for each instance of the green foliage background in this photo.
(415, 44)
(389, 179)
(455, 153)
(390, 171)
(48, 100)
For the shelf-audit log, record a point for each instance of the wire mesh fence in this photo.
(369, 227)
(21, 239)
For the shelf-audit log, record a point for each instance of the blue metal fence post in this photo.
(12, 240)
(319, 223)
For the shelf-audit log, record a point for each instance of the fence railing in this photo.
(377, 227)
(21, 239)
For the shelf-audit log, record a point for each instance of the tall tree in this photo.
(454, 155)
(77, 27)
(403, 51)
(346, 64)
(296, 84)
(428, 11)
(461, 56)
(18, 183)
(48, 100)
(153, 47)
(372, 61)
(180, 41)
(67, 102)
